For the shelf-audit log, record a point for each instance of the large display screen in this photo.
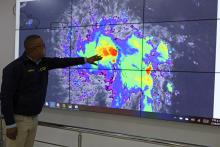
(161, 58)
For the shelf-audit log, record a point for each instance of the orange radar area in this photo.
(148, 69)
(108, 53)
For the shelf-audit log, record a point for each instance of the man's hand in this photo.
(91, 60)
(11, 133)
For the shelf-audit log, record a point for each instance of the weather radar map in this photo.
(155, 53)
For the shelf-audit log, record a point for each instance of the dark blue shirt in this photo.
(24, 85)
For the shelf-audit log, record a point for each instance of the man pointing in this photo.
(23, 90)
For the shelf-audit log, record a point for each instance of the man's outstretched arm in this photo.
(54, 63)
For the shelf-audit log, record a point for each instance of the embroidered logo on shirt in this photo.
(43, 68)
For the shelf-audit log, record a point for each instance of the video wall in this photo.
(160, 57)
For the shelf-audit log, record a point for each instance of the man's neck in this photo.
(34, 60)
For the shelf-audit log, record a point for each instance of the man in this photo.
(23, 90)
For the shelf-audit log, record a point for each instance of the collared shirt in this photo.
(37, 62)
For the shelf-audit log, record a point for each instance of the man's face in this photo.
(39, 48)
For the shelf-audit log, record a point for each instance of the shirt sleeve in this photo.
(54, 63)
(11, 126)
(10, 80)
